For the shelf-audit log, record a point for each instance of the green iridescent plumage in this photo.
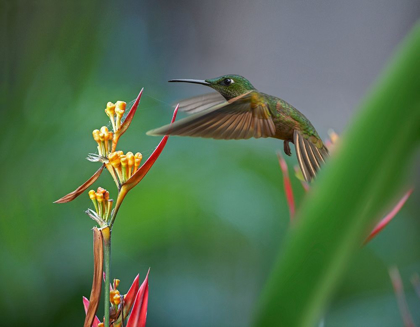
(238, 111)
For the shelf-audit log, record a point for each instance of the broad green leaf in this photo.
(364, 175)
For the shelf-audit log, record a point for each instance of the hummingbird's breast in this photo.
(284, 122)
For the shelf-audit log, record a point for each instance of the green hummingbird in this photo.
(237, 110)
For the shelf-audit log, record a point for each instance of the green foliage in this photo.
(366, 173)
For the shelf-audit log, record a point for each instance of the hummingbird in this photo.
(237, 110)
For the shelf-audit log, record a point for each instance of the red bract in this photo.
(287, 185)
(139, 313)
(385, 221)
(96, 320)
(134, 304)
(72, 195)
(124, 126)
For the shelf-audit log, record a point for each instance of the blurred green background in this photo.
(210, 216)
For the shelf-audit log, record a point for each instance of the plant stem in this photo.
(107, 263)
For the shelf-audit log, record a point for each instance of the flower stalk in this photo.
(106, 233)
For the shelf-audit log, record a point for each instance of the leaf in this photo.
(139, 314)
(95, 293)
(385, 221)
(366, 172)
(72, 195)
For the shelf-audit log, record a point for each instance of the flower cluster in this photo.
(125, 169)
(128, 310)
(124, 165)
(102, 204)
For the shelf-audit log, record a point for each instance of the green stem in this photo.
(107, 263)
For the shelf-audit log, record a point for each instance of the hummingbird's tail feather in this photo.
(310, 157)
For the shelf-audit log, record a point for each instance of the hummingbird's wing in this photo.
(201, 102)
(311, 153)
(242, 117)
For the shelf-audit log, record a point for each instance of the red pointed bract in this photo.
(139, 313)
(144, 169)
(287, 185)
(96, 321)
(127, 121)
(385, 221)
(130, 296)
(72, 195)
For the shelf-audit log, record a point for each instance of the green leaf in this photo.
(363, 176)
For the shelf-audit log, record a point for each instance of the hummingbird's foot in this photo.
(287, 148)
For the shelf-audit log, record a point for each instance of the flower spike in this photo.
(72, 195)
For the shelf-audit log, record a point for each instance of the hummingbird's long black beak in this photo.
(194, 81)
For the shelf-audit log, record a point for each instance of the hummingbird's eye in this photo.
(228, 81)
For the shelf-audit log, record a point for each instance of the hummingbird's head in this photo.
(229, 86)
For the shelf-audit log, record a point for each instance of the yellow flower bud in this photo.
(116, 282)
(92, 195)
(95, 135)
(99, 197)
(110, 108)
(120, 108)
(116, 299)
(137, 159)
(101, 190)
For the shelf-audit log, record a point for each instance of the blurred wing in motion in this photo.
(310, 156)
(242, 117)
(201, 102)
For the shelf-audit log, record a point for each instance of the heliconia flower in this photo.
(134, 303)
(332, 142)
(125, 169)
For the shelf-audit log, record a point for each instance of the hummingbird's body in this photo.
(239, 111)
